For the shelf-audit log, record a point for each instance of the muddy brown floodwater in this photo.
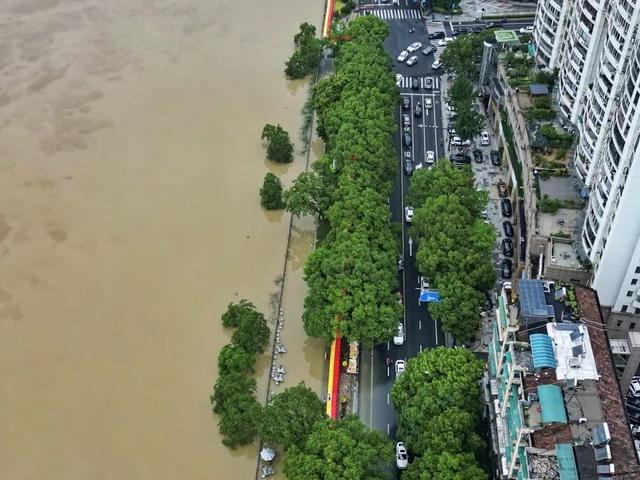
(130, 164)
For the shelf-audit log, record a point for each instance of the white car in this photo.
(459, 142)
(399, 367)
(428, 102)
(443, 41)
(398, 79)
(402, 457)
(634, 388)
(484, 138)
(403, 56)
(431, 157)
(408, 214)
(526, 30)
(414, 47)
(413, 60)
(436, 65)
(424, 283)
(398, 339)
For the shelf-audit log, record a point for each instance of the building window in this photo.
(637, 311)
(618, 323)
(637, 269)
(632, 326)
(634, 281)
(629, 293)
(624, 308)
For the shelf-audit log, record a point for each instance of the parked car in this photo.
(459, 31)
(459, 142)
(495, 158)
(506, 269)
(399, 367)
(406, 103)
(460, 159)
(502, 189)
(413, 60)
(424, 283)
(634, 388)
(436, 35)
(436, 65)
(408, 214)
(477, 156)
(527, 30)
(484, 138)
(414, 47)
(428, 83)
(428, 102)
(429, 50)
(633, 401)
(507, 228)
(408, 166)
(403, 56)
(507, 247)
(406, 140)
(431, 157)
(402, 457)
(398, 338)
(415, 83)
(417, 110)
(506, 208)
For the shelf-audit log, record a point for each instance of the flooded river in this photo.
(130, 163)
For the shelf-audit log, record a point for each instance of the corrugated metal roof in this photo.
(542, 349)
(566, 462)
(552, 404)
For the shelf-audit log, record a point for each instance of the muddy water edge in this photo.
(130, 164)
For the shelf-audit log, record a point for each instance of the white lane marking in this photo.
(388, 346)
(404, 280)
(435, 123)
(420, 348)
(388, 429)
(371, 391)
(435, 324)
(419, 324)
(387, 399)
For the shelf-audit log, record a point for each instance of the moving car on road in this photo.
(477, 156)
(505, 205)
(413, 60)
(406, 103)
(406, 120)
(507, 227)
(414, 47)
(527, 30)
(402, 458)
(398, 338)
(406, 140)
(484, 138)
(428, 102)
(415, 83)
(403, 56)
(408, 214)
(428, 83)
(399, 367)
(408, 166)
(429, 50)
(417, 110)
(431, 157)
(495, 158)
(436, 35)
(436, 65)
(424, 283)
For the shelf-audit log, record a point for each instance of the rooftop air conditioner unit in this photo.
(582, 420)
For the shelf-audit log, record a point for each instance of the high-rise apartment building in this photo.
(598, 90)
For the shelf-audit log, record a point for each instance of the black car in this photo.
(429, 50)
(632, 401)
(428, 83)
(477, 156)
(406, 120)
(417, 110)
(507, 247)
(436, 35)
(459, 31)
(415, 83)
(406, 140)
(495, 24)
(507, 269)
(495, 158)
(505, 205)
(406, 103)
(459, 158)
(507, 227)
(408, 166)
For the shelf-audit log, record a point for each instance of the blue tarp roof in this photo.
(542, 349)
(552, 404)
(566, 461)
(427, 296)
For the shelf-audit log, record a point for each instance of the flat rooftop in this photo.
(574, 355)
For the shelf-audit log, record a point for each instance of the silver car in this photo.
(413, 60)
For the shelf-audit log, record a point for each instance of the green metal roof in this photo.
(566, 461)
(542, 350)
(552, 404)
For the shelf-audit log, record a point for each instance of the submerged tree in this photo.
(279, 147)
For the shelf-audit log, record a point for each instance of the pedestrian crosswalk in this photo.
(405, 82)
(393, 13)
(433, 27)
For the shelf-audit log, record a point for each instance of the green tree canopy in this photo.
(460, 91)
(252, 333)
(229, 388)
(468, 122)
(239, 422)
(289, 417)
(310, 194)
(459, 308)
(279, 146)
(343, 450)
(452, 431)
(307, 55)
(233, 358)
(271, 193)
(445, 466)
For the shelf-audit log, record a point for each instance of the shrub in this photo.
(280, 147)
(549, 205)
(271, 193)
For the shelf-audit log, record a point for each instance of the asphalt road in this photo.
(421, 332)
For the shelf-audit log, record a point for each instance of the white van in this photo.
(634, 388)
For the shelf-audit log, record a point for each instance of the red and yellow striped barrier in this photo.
(333, 382)
(328, 18)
